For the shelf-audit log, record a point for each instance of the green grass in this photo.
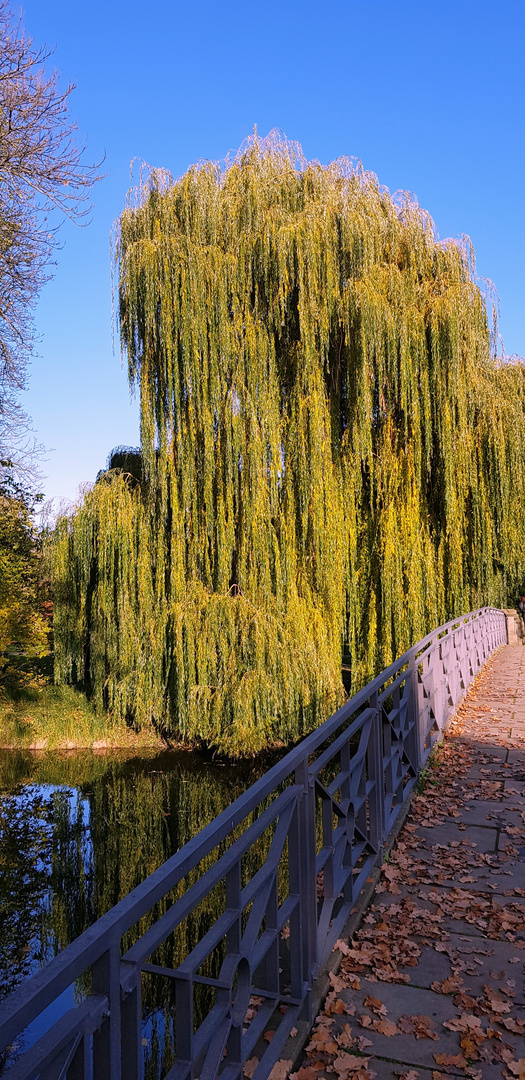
(35, 715)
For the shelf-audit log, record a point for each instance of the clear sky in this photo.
(430, 97)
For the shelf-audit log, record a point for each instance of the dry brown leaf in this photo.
(321, 1030)
(349, 1063)
(451, 1059)
(305, 1073)
(517, 1068)
(465, 1022)
(517, 1026)
(344, 1039)
(250, 1066)
(420, 1026)
(497, 1004)
(280, 1070)
(338, 1008)
(469, 1044)
(322, 1043)
(448, 986)
(337, 983)
(363, 1044)
(386, 1027)
(375, 1005)
(464, 1001)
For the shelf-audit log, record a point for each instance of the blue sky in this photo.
(430, 97)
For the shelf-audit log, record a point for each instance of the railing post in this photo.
(376, 776)
(131, 1026)
(305, 857)
(106, 1040)
(441, 676)
(413, 714)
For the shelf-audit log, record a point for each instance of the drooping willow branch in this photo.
(332, 457)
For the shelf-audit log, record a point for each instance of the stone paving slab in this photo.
(428, 1012)
(486, 814)
(485, 840)
(444, 936)
(395, 1070)
(485, 959)
(413, 1001)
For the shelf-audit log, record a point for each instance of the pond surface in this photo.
(79, 830)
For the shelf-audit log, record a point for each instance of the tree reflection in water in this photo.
(78, 831)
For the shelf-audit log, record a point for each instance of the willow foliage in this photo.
(332, 457)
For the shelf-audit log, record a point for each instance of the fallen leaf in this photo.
(365, 1020)
(280, 1070)
(375, 1005)
(386, 1027)
(517, 1068)
(338, 1008)
(518, 1026)
(451, 1059)
(350, 1063)
(363, 1044)
(251, 1065)
(448, 986)
(420, 1026)
(322, 1043)
(344, 1039)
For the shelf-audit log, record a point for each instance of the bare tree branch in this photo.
(41, 170)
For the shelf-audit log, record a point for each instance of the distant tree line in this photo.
(41, 171)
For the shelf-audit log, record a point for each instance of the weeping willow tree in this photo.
(332, 457)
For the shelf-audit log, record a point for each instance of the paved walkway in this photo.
(432, 985)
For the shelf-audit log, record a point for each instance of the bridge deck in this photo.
(434, 979)
(285, 866)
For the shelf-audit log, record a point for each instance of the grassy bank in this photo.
(46, 717)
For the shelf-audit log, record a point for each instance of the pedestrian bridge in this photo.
(285, 865)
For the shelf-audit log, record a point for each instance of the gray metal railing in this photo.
(313, 827)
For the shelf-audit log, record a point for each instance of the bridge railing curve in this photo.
(285, 864)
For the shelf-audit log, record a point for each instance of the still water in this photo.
(79, 830)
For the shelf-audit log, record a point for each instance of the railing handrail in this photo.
(25, 1003)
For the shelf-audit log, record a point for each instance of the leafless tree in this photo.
(41, 171)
